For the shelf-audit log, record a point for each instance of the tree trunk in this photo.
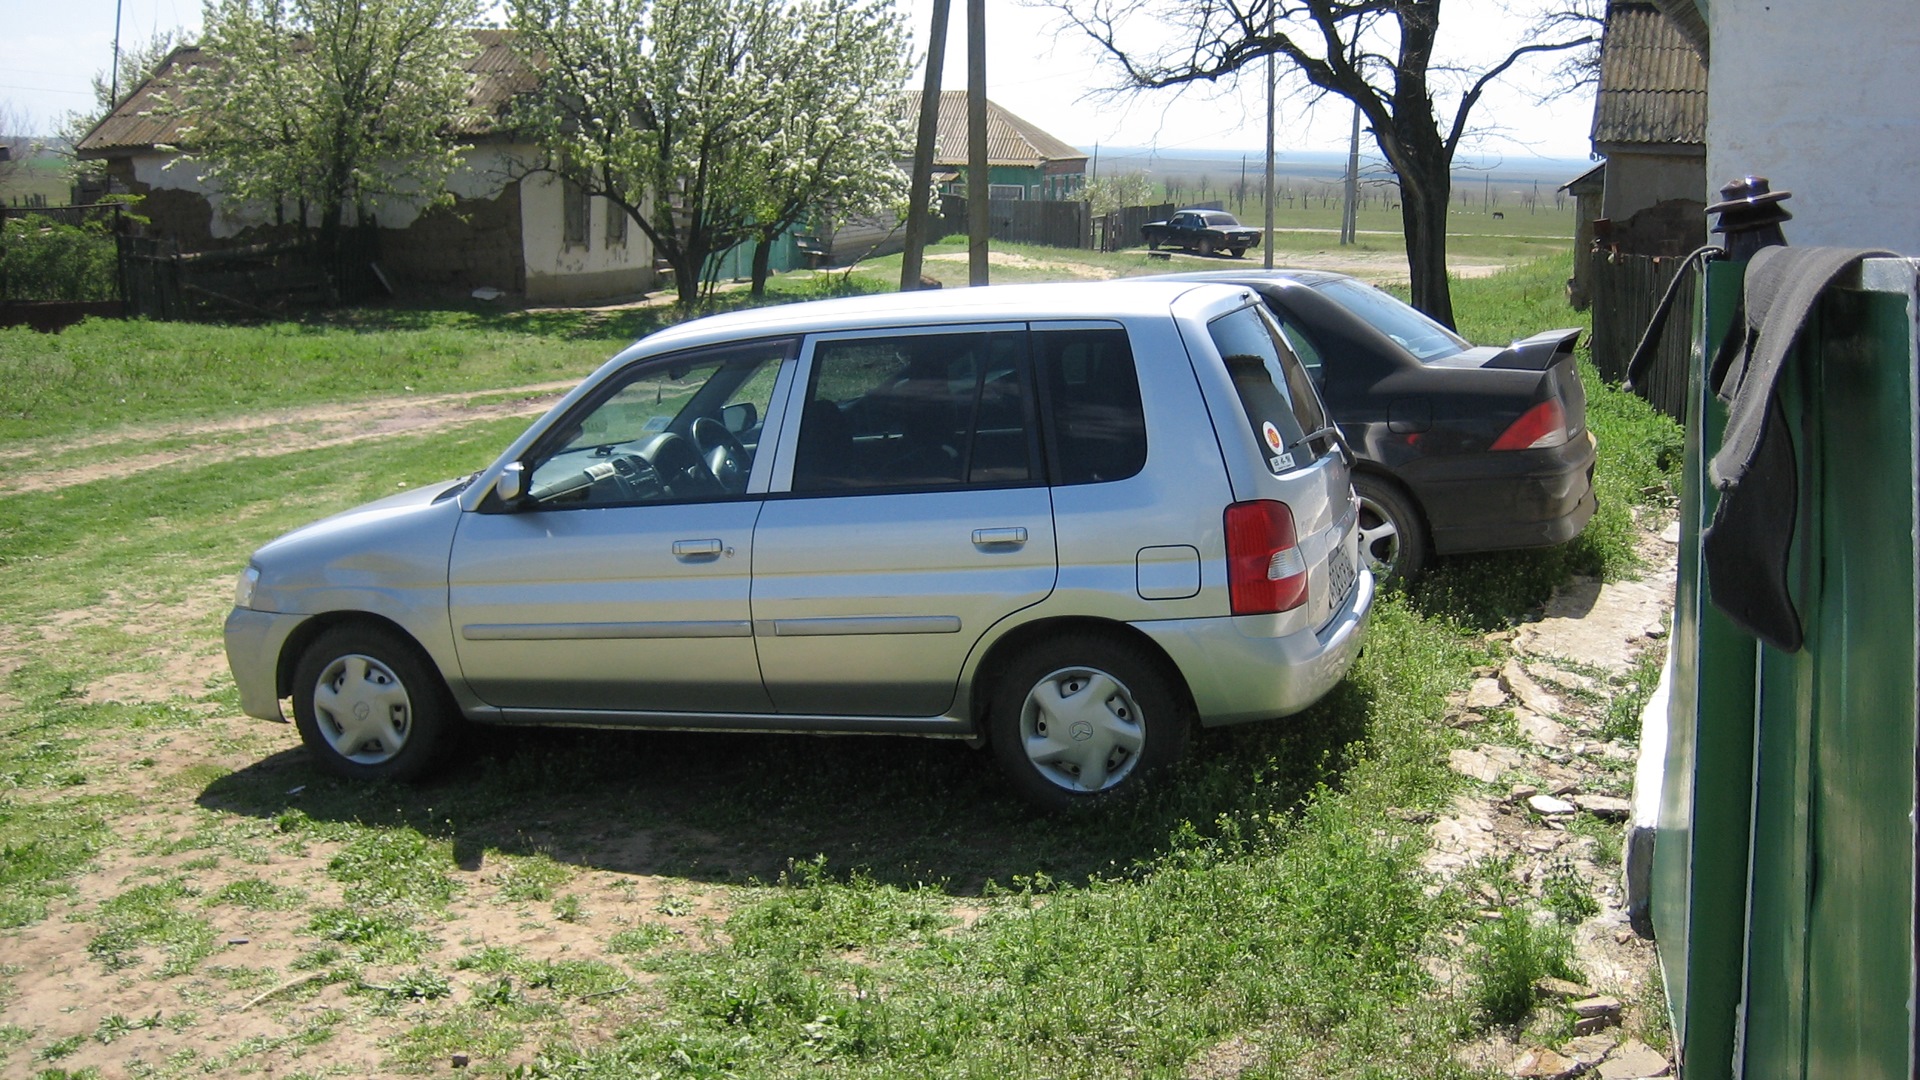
(762, 265)
(1423, 214)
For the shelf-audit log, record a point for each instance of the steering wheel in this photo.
(683, 472)
(726, 459)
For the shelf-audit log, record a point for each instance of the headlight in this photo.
(243, 588)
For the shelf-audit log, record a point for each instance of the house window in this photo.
(1006, 191)
(576, 214)
(616, 225)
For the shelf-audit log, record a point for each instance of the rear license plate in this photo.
(1341, 576)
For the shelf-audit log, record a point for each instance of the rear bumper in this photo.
(1510, 499)
(1238, 675)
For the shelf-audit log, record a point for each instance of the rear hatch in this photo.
(1291, 531)
(1556, 411)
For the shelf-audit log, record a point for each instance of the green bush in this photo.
(42, 259)
(1511, 953)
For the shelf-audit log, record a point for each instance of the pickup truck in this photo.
(1204, 231)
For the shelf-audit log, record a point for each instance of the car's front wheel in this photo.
(1206, 245)
(1084, 719)
(368, 705)
(1393, 537)
(1236, 252)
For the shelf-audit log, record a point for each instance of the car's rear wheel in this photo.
(1393, 538)
(368, 705)
(1084, 719)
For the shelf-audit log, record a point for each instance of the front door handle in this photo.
(697, 549)
(1013, 537)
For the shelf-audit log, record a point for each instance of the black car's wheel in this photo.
(1393, 537)
(1206, 245)
(1084, 719)
(1153, 242)
(1236, 252)
(368, 705)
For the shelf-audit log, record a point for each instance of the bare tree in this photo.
(16, 140)
(1579, 68)
(1378, 54)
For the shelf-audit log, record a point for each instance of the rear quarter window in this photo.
(1090, 391)
(1276, 395)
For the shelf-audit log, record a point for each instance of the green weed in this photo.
(150, 916)
(1509, 954)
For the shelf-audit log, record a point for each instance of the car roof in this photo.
(1278, 276)
(1071, 300)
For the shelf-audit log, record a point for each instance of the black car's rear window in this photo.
(1276, 395)
(1413, 331)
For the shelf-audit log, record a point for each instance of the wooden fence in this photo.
(1028, 221)
(1625, 290)
(160, 281)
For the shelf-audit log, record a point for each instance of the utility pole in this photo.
(977, 182)
(1350, 214)
(1266, 249)
(912, 261)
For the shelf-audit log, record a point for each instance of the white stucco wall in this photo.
(483, 172)
(1817, 96)
(557, 272)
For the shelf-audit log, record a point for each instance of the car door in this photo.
(909, 516)
(621, 580)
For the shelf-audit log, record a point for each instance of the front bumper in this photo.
(1238, 675)
(255, 641)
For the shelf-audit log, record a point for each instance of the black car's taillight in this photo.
(1543, 426)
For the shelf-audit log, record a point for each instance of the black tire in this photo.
(1236, 252)
(345, 679)
(1205, 245)
(1144, 720)
(1398, 548)
(1153, 241)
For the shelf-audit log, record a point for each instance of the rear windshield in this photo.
(1276, 395)
(1419, 335)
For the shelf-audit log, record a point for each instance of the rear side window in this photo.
(1096, 430)
(917, 412)
(1276, 394)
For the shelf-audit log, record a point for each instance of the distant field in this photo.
(44, 176)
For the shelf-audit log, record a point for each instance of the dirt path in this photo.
(265, 435)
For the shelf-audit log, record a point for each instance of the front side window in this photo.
(1276, 394)
(675, 429)
(916, 412)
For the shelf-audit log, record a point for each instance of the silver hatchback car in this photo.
(1065, 520)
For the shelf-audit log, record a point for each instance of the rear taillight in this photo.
(1265, 571)
(1540, 427)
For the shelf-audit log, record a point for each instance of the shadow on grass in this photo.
(737, 808)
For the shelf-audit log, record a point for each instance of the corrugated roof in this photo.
(1653, 86)
(1010, 140)
(146, 119)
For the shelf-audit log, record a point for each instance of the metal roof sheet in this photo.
(1653, 86)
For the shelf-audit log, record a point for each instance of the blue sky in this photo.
(51, 50)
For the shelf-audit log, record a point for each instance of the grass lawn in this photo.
(182, 895)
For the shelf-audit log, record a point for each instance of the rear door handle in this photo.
(1013, 537)
(696, 549)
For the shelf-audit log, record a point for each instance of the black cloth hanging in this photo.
(1745, 548)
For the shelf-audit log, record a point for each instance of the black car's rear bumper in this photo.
(1506, 499)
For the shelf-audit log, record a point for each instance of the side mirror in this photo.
(512, 483)
(740, 416)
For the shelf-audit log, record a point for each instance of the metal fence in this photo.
(1625, 290)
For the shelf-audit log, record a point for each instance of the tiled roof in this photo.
(145, 119)
(1653, 86)
(1010, 140)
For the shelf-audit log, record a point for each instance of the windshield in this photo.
(1413, 331)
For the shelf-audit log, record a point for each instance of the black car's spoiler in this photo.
(1537, 353)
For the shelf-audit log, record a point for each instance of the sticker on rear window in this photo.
(1280, 463)
(1274, 442)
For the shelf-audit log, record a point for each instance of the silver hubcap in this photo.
(1082, 729)
(362, 710)
(1379, 539)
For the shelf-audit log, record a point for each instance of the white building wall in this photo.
(557, 271)
(1817, 96)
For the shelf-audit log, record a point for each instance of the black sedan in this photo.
(1459, 447)
(1204, 231)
